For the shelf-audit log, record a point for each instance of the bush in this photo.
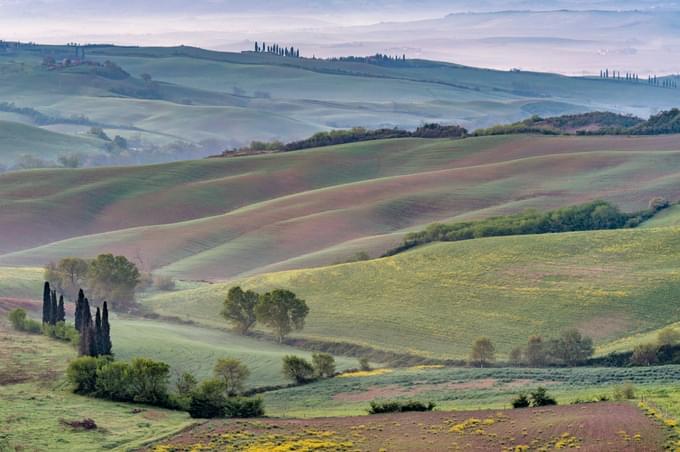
(82, 374)
(113, 382)
(149, 381)
(521, 401)
(399, 407)
(297, 369)
(208, 401)
(324, 365)
(540, 397)
(364, 364)
(244, 407)
(20, 321)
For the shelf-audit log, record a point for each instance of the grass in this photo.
(436, 300)
(34, 399)
(21, 282)
(223, 218)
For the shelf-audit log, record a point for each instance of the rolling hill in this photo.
(198, 102)
(436, 300)
(221, 218)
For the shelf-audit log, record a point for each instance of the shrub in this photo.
(149, 381)
(297, 369)
(399, 407)
(20, 321)
(324, 365)
(244, 407)
(82, 374)
(644, 355)
(208, 400)
(521, 401)
(540, 397)
(113, 381)
(186, 384)
(32, 326)
(364, 364)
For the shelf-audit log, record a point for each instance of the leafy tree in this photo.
(186, 384)
(297, 369)
(324, 365)
(71, 272)
(282, 311)
(535, 353)
(483, 352)
(573, 348)
(516, 356)
(114, 278)
(645, 355)
(239, 309)
(208, 400)
(232, 373)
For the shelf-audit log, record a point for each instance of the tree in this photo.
(61, 312)
(573, 348)
(114, 278)
(644, 355)
(668, 336)
(106, 345)
(536, 353)
(540, 397)
(516, 356)
(47, 303)
(149, 381)
(232, 373)
(324, 365)
(80, 305)
(54, 307)
(186, 384)
(483, 352)
(208, 400)
(239, 309)
(71, 272)
(98, 334)
(297, 369)
(282, 311)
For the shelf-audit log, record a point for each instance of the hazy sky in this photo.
(644, 41)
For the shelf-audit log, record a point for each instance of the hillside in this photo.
(220, 218)
(437, 299)
(183, 102)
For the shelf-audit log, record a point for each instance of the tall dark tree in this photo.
(98, 339)
(47, 303)
(107, 346)
(79, 310)
(54, 305)
(61, 312)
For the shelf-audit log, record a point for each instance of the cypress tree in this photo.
(47, 303)
(106, 332)
(53, 308)
(79, 311)
(98, 333)
(91, 341)
(61, 312)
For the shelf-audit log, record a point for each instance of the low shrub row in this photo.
(396, 406)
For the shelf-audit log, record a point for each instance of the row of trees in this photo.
(107, 276)
(616, 75)
(95, 336)
(281, 310)
(571, 348)
(591, 216)
(277, 50)
(52, 310)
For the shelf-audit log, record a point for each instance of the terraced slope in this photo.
(436, 300)
(220, 218)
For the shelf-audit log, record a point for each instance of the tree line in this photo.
(596, 215)
(354, 135)
(277, 49)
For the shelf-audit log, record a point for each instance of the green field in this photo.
(225, 218)
(435, 300)
(215, 100)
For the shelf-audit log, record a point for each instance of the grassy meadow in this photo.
(434, 301)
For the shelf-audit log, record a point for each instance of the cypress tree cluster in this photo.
(52, 309)
(95, 336)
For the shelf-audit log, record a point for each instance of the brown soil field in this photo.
(587, 427)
